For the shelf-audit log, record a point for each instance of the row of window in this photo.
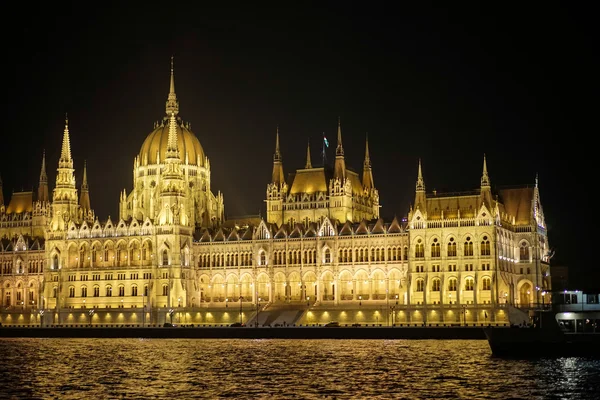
(486, 284)
(451, 248)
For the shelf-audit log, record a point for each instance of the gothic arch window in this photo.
(524, 252)
(108, 291)
(420, 285)
(485, 246)
(452, 284)
(486, 283)
(71, 291)
(165, 257)
(435, 285)
(165, 290)
(262, 258)
(54, 291)
(451, 248)
(469, 283)
(326, 256)
(468, 251)
(419, 249)
(84, 291)
(55, 262)
(435, 248)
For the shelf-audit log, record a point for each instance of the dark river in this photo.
(283, 369)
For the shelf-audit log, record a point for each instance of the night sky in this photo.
(444, 85)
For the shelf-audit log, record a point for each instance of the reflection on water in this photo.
(274, 368)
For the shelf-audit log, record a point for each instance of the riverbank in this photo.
(249, 332)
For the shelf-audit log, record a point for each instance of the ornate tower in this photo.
(277, 189)
(367, 180)
(43, 186)
(84, 201)
(340, 188)
(64, 199)
(420, 198)
(486, 190)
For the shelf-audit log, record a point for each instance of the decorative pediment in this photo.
(205, 236)
(327, 228)
(282, 232)
(219, 236)
(248, 234)
(21, 245)
(297, 231)
(262, 231)
(311, 230)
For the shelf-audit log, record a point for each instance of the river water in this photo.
(283, 369)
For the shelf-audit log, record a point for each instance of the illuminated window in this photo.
(420, 285)
(452, 284)
(435, 285)
(55, 261)
(72, 291)
(326, 256)
(468, 250)
(165, 258)
(96, 291)
(121, 291)
(435, 248)
(485, 246)
(524, 252)
(419, 249)
(262, 260)
(487, 283)
(108, 291)
(134, 290)
(452, 248)
(165, 290)
(469, 284)
(84, 291)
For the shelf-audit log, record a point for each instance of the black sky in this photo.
(442, 84)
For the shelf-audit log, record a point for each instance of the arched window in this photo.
(72, 291)
(165, 258)
(487, 283)
(524, 252)
(420, 285)
(468, 251)
(435, 248)
(55, 262)
(84, 291)
(326, 256)
(435, 285)
(165, 290)
(452, 248)
(469, 284)
(54, 291)
(419, 249)
(96, 291)
(134, 290)
(262, 259)
(452, 285)
(109, 291)
(121, 290)
(485, 246)
(94, 252)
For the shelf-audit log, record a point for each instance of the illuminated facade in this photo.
(322, 244)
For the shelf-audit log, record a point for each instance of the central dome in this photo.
(156, 143)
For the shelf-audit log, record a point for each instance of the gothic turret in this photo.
(367, 180)
(84, 201)
(43, 186)
(420, 202)
(64, 197)
(340, 162)
(308, 162)
(277, 176)
(486, 191)
(172, 106)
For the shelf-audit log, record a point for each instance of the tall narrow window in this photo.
(485, 246)
(468, 251)
(452, 248)
(165, 258)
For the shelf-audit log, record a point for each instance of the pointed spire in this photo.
(536, 179)
(308, 163)
(172, 103)
(367, 156)
(277, 155)
(485, 179)
(1, 193)
(420, 181)
(84, 183)
(84, 200)
(367, 171)
(172, 148)
(43, 175)
(65, 154)
(339, 151)
(277, 176)
(43, 186)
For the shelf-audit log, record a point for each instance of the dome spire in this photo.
(65, 154)
(172, 103)
(308, 162)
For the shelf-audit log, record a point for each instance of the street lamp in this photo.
(360, 300)
(226, 302)
(387, 305)
(464, 307)
(42, 318)
(396, 299)
(91, 313)
(308, 301)
(543, 300)
(257, 310)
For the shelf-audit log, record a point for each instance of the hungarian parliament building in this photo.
(322, 247)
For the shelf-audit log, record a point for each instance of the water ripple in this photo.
(282, 369)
